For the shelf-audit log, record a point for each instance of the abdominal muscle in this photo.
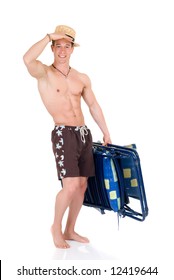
(69, 118)
(64, 111)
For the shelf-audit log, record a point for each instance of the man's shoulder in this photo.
(83, 76)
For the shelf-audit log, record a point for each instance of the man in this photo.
(61, 88)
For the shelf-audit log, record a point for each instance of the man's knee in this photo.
(72, 185)
(83, 184)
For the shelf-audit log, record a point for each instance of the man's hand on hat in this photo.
(55, 36)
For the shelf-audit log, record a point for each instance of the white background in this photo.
(127, 51)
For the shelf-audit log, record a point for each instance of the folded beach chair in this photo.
(118, 183)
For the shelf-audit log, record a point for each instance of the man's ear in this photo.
(72, 49)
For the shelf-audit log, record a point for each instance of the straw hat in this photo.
(67, 31)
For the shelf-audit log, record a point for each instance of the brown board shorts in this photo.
(72, 147)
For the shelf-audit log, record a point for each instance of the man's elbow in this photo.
(26, 60)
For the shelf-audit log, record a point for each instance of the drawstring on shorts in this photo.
(83, 132)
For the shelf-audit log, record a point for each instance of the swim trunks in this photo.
(72, 147)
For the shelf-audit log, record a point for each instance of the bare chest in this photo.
(67, 88)
(61, 91)
(70, 84)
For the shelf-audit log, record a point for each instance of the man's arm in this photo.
(95, 110)
(34, 66)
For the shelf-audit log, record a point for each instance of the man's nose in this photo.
(62, 49)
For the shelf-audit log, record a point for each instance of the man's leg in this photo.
(64, 198)
(74, 209)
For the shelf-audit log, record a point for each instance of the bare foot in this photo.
(58, 239)
(76, 237)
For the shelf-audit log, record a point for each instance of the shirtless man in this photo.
(61, 88)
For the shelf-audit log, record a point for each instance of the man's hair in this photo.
(53, 43)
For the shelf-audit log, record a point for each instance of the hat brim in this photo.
(76, 45)
(70, 40)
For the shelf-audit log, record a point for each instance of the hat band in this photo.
(70, 37)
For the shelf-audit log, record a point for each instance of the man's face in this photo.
(62, 49)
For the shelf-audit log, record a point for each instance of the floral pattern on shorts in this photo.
(60, 154)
